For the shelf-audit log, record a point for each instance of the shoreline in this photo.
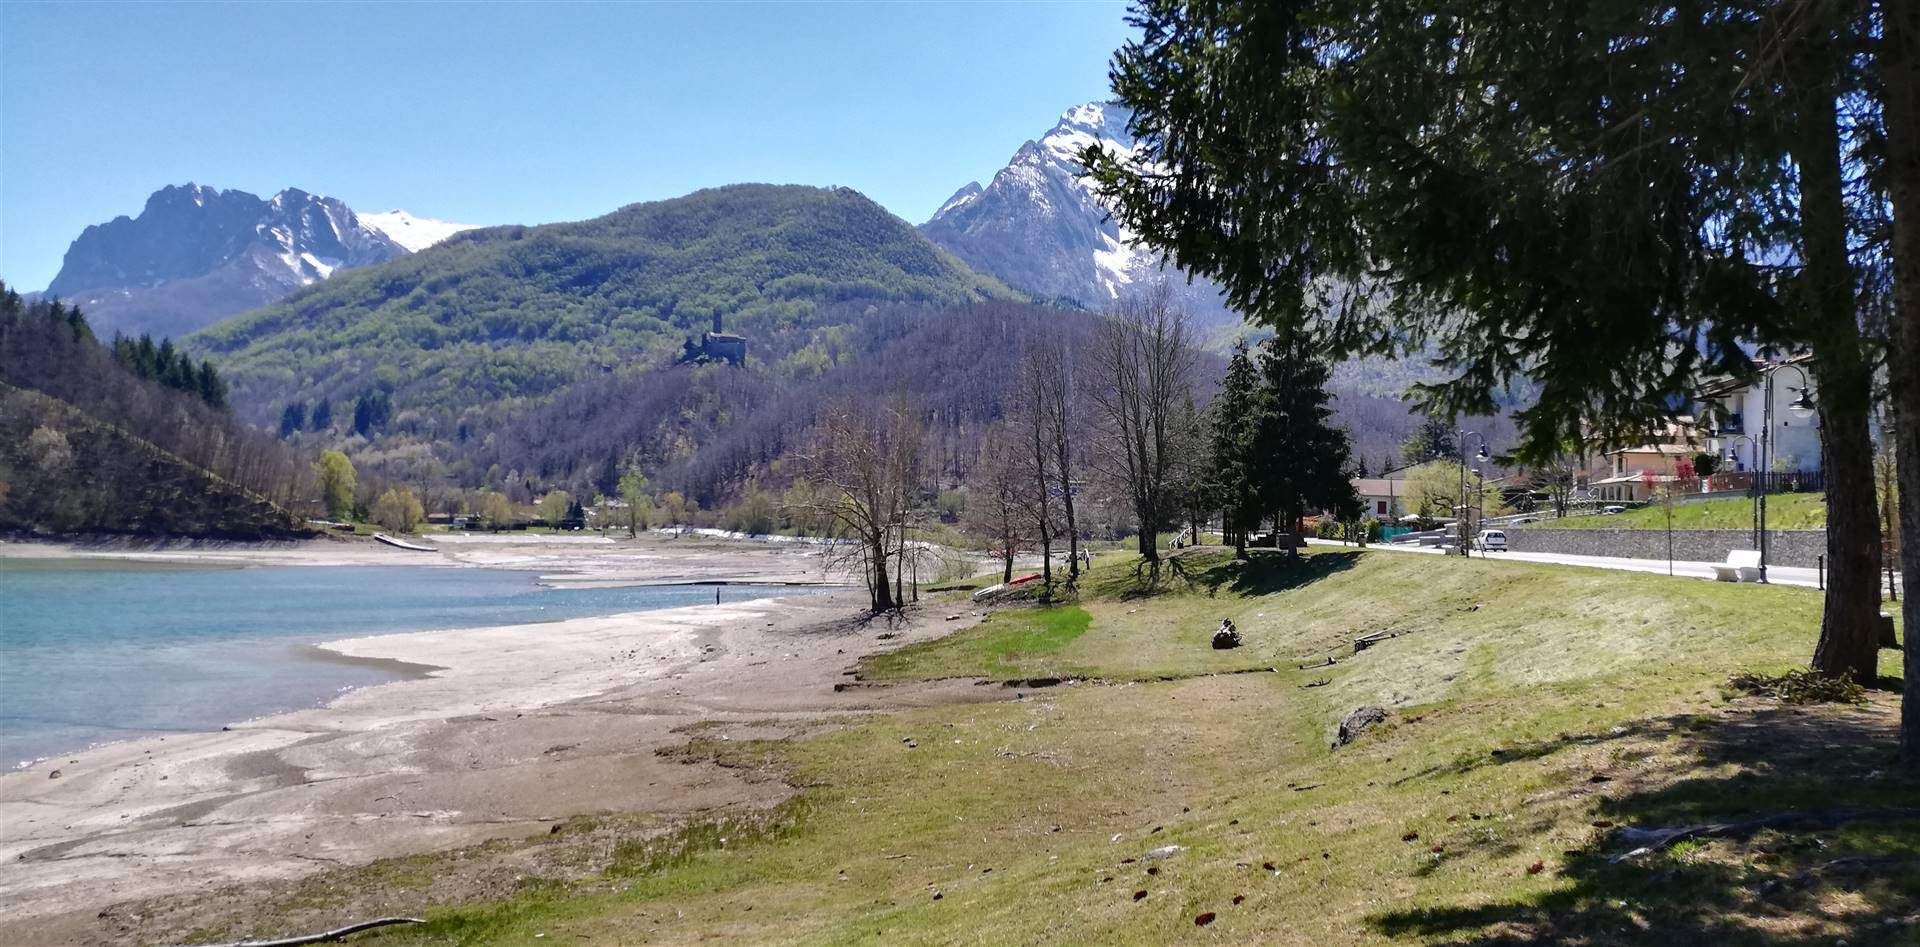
(506, 732)
(569, 561)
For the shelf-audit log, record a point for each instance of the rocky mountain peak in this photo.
(196, 254)
(1039, 226)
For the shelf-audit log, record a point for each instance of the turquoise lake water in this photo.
(96, 650)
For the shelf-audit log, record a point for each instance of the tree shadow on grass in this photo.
(1213, 568)
(1265, 572)
(1776, 885)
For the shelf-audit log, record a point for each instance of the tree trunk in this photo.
(882, 591)
(1900, 71)
(1006, 570)
(1073, 531)
(1848, 644)
(1046, 558)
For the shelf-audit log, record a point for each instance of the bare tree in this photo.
(1032, 418)
(1050, 376)
(996, 509)
(863, 470)
(1143, 376)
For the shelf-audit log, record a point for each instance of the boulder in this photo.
(1356, 723)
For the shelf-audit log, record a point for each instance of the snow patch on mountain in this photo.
(1039, 226)
(414, 233)
(196, 254)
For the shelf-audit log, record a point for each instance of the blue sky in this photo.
(518, 113)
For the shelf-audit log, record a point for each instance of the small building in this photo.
(1632, 474)
(1383, 498)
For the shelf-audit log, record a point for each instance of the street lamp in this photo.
(1802, 407)
(1757, 524)
(1466, 547)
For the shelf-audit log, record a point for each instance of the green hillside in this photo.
(128, 439)
(516, 312)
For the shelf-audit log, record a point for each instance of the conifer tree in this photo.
(293, 418)
(1302, 459)
(212, 388)
(1231, 448)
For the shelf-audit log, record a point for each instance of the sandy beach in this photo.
(513, 730)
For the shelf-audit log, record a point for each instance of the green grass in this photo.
(1011, 643)
(1784, 511)
(1534, 707)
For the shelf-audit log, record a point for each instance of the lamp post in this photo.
(1801, 406)
(1757, 525)
(1480, 493)
(1466, 547)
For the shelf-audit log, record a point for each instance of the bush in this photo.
(398, 510)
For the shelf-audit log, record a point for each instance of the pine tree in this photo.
(1231, 448)
(322, 416)
(1434, 440)
(146, 358)
(293, 418)
(377, 406)
(166, 367)
(213, 388)
(81, 331)
(1303, 459)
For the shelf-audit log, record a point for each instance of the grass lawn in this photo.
(1535, 709)
(1784, 511)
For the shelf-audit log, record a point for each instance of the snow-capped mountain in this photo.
(1040, 228)
(414, 233)
(198, 254)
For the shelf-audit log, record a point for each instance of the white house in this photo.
(1383, 498)
(1736, 411)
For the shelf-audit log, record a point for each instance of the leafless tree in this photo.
(863, 470)
(996, 509)
(1143, 376)
(1033, 406)
(1050, 385)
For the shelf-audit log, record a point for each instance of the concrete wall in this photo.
(1795, 547)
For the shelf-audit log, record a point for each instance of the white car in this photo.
(1612, 510)
(1493, 540)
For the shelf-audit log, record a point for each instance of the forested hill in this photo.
(128, 439)
(506, 313)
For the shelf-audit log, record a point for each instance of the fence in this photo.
(1744, 483)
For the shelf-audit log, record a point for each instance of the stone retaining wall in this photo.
(1786, 547)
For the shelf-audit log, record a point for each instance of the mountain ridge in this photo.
(518, 312)
(196, 254)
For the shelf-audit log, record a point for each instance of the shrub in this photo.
(398, 510)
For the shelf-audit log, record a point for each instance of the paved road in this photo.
(1778, 575)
